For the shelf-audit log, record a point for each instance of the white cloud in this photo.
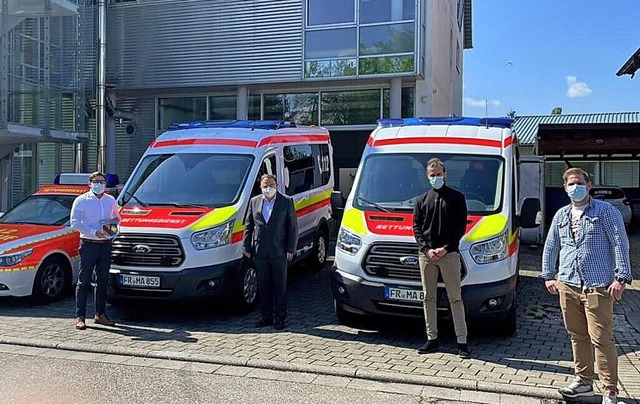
(577, 88)
(472, 102)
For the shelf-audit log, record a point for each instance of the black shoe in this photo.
(430, 346)
(463, 351)
(279, 325)
(264, 322)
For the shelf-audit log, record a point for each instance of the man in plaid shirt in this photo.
(589, 238)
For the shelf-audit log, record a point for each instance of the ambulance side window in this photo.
(299, 162)
(268, 166)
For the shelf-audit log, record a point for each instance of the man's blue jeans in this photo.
(93, 255)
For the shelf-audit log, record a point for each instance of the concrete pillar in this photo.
(242, 103)
(395, 98)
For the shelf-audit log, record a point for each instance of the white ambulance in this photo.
(184, 205)
(376, 262)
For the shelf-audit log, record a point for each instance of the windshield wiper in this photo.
(375, 205)
(135, 198)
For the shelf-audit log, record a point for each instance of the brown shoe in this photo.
(80, 324)
(103, 319)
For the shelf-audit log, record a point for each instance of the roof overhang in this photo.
(35, 8)
(17, 134)
(589, 140)
(631, 65)
(468, 32)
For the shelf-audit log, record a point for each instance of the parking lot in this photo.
(537, 359)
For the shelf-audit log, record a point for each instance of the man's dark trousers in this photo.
(93, 255)
(272, 285)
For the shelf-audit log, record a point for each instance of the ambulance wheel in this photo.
(318, 256)
(247, 294)
(52, 280)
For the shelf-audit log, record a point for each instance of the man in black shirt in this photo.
(439, 222)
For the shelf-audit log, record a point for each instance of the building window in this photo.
(385, 42)
(174, 110)
(299, 108)
(387, 39)
(222, 107)
(254, 107)
(330, 43)
(350, 107)
(386, 65)
(325, 12)
(624, 174)
(408, 98)
(372, 11)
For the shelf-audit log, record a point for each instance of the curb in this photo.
(351, 372)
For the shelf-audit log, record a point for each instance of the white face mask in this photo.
(97, 187)
(436, 182)
(269, 192)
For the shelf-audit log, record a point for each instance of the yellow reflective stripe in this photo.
(513, 236)
(353, 219)
(312, 200)
(488, 227)
(217, 216)
(238, 226)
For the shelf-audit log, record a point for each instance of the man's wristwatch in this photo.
(621, 280)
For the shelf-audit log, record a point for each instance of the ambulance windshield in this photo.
(394, 181)
(188, 179)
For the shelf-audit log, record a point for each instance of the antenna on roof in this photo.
(486, 112)
(253, 125)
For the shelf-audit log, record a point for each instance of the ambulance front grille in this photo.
(145, 250)
(396, 261)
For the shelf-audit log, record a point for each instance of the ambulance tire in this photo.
(52, 280)
(247, 292)
(318, 257)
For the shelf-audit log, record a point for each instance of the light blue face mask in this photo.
(97, 187)
(436, 182)
(577, 192)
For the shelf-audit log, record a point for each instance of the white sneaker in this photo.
(577, 388)
(610, 397)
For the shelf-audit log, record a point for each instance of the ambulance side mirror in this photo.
(337, 205)
(529, 213)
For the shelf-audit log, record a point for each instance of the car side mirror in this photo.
(530, 213)
(337, 205)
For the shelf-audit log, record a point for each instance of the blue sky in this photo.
(534, 55)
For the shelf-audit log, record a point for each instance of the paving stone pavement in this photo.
(535, 362)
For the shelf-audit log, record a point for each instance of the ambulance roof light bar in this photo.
(83, 179)
(269, 125)
(493, 122)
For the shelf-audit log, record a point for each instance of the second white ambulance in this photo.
(184, 205)
(376, 262)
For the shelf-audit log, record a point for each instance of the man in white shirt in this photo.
(89, 213)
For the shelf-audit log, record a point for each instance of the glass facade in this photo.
(378, 39)
(326, 108)
(46, 86)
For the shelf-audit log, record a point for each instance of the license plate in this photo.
(411, 295)
(139, 281)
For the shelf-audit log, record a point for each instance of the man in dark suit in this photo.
(270, 239)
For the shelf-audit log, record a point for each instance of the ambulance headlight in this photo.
(348, 242)
(213, 237)
(9, 260)
(492, 250)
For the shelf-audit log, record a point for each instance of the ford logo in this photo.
(409, 260)
(141, 249)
